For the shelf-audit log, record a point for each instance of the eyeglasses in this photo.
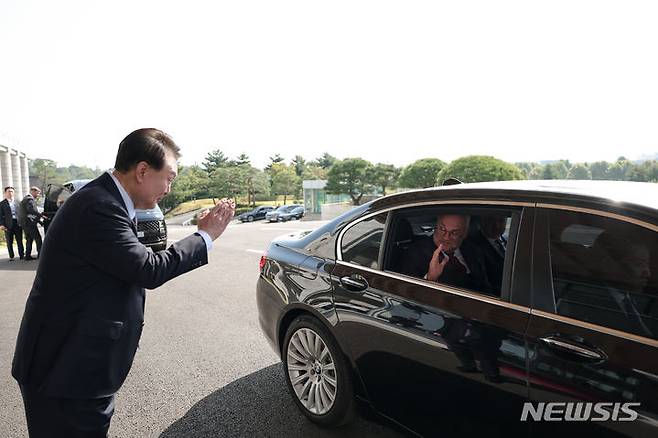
(453, 234)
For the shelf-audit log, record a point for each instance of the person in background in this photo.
(28, 218)
(9, 223)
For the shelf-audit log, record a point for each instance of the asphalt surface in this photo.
(204, 368)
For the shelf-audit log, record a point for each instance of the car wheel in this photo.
(317, 374)
(250, 218)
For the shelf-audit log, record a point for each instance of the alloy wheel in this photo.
(312, 371)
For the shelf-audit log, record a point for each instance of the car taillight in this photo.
(263, 259)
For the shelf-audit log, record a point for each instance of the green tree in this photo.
(349, 176)
(476, 168)
(625, 168)
(537, 172)
(526, 168)
(214, 160)
(46, 172)
(228, 182)
(599, 169)
(620, 170)
(383, 176)
(257, 184)
(284, 180)
(421, 173)
(243, 160)
(325, 161)
(276, 159)
(579, 171)
(314, 172)
(83, 172)
(299, 164)
(555, 170)
(647, 171)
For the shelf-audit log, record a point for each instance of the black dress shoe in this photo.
(11, 259)
(27, 258)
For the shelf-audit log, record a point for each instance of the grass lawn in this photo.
(188, 206)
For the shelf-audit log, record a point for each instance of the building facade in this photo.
(14, 171)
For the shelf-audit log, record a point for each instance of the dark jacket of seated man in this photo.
(465, 267)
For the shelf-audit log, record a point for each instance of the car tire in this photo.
(250, 218)
(314, 361)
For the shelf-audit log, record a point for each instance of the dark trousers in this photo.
(62, 417)
(16, 233)
(32, 235)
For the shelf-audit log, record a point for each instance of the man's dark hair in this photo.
(146, 144)
(7, 188)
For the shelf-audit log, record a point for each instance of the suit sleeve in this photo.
(32, 207)
(106, 240)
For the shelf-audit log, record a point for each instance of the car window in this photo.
(474, 240)
(605, 271)
(362, 242)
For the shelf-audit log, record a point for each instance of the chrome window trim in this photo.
(595, 327)
(440, 287)
(617, 216)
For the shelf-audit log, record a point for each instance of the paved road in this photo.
(204, 368)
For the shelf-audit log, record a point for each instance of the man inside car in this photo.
(447, 257)
(493, 245)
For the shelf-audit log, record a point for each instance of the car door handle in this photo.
(354, 284)
(571, 347)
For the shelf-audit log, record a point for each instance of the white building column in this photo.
(25, 173)
(5, 167)
(16, 173)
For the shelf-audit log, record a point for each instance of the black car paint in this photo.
(403, 331)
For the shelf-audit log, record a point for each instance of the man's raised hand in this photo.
(215, 220)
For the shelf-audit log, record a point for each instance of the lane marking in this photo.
(259, 251)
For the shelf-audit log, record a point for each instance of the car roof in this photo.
(638, 193)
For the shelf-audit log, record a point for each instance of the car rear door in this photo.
(439, 359)
(594, 325)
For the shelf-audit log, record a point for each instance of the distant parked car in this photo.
(273, 216)
(295, 213)
(255, 214)
(151, 226)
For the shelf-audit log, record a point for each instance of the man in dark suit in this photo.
(447, 257)
(84, 315)
(492, 244)
(28, 218)
(9, 223)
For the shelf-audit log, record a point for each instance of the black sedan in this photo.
(257, 213)
(490, 309)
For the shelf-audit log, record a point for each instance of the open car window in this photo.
(476, 241)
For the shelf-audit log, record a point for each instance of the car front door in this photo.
(441, 360)
(594, 326)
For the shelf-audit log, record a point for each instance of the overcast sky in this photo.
(390, 81)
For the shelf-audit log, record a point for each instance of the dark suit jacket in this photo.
(493, 261)
(416, 260)
(5, 214)
(84, 315)
(27, 213)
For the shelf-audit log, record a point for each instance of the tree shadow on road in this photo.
(260, 405)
